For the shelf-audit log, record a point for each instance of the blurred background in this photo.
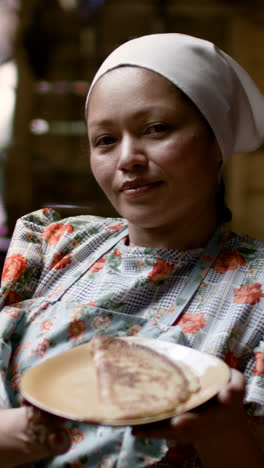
(49, 52)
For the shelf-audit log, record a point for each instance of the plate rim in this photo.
(128, 422)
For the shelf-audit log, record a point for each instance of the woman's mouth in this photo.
(134, 189)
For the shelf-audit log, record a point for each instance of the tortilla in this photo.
(134, 381)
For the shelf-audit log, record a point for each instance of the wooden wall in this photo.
(62, 48)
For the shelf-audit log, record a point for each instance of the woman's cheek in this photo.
(174, 153)
(102, 177)
(102, 168)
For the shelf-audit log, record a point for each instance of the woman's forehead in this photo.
(116, 83)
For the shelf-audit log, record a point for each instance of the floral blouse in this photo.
(138, 284)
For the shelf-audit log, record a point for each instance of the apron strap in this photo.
(189, 289)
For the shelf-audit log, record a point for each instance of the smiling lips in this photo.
(138, 187)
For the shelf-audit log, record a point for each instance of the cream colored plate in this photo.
(66, 384)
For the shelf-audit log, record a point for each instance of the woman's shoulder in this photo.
(244, 242)
(40, 233)
(48, 219)
(242, 251)
(42, 239)
(45, 226)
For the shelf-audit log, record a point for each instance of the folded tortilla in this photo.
(136, 382)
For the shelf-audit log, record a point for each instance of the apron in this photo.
(23, 346)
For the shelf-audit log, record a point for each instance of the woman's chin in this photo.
(144, 221)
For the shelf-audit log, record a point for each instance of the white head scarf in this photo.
(220, 88)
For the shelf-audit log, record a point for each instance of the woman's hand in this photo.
(28, 434)
(219, 429)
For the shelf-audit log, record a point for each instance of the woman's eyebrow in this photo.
(137, 114)
(99, 123)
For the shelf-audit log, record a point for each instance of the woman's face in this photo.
(152, 153)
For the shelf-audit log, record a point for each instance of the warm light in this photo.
(39, 126)
(58, 127)
(8, 82)
(68, 4)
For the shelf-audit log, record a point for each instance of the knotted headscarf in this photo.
(220, 88)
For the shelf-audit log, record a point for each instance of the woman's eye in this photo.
(105, 140)
(157, 128)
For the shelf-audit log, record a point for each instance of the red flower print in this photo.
(76, 329)
(158, 314)
(228, 260)
(249, 294)
(117, 253)
(27, 345)
(12, 298)
(15, 381)
(12, 312)
(100, 322)
(92, 303)
(46, 325)
(14, 267)
(76, 435)
(53, 233)
(155, 321)
(134, 330)
(231, 360)
(45, 210)
(259, 364)
(97, 266)
(60, 261)
(160, 269)
(76, 312)
(192, 323)
(116, 227)
(42, 348)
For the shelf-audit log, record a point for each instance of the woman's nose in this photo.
(132, 153)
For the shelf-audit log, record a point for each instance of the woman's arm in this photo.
(27, 435)
(220, 430)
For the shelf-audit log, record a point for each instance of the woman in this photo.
(163, 114)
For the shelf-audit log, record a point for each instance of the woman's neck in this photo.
(191, 234)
